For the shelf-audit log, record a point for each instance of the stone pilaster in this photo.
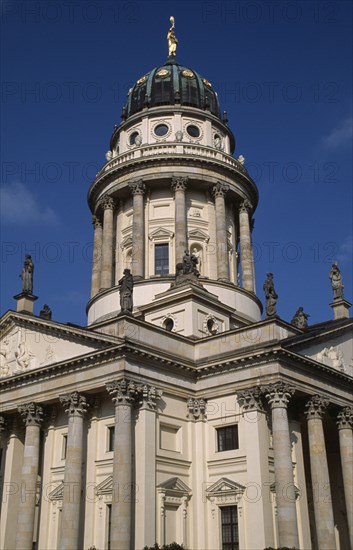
(179, 185)
(246, 252)
(345, 427)
(97, 256)
(75, 406)
(106, 278)
(315, 409)
(145, 466)
(32, 416)
(219, 191)
(124, 394)
(138, 190)
(259, 522)
(278, 396)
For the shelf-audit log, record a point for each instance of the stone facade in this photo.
(191, 410)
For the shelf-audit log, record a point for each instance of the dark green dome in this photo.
(172, 84)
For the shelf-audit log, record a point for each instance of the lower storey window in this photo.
(229, 523)
(161, 259)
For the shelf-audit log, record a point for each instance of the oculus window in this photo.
(227, 438)
(161, 259)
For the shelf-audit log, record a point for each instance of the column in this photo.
(246, 253)
(219, 191)
(145, 467)
(32, 416)
(259, 532)
(278, 396)
(138, 189)
(75, 406)
(345, 427)
(97, 256)
(106, 279)
(319, 474)
(124, 393)
(179, 184)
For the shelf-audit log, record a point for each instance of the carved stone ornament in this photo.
(148, 396)
(31, 414)
(316, 407)
(122, 391)
(246, 206)
(96, 222)
(137, 187)
(220, 189)
(278, 394)
(196, 408)
(250, 399)
(74, 403)
(345, 418)
(179, 183)
(107, 203)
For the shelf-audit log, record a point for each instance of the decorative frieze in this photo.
(75, 404)
(31, 414)
(278, 394)
(196, 408)
(316, 407)
(345, 418)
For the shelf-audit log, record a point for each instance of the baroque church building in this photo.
(179, 413)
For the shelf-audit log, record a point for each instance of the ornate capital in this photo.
(96, 222)
(220, 189)
(179, 183)
(315, 407)
(107, 202)
(250, 399)
(148, 396)
(137, 187)
(196, 408)
(246, 206)
(31, 414)
(278, 394)
(74, 403)
(345, 418)
(123, 391)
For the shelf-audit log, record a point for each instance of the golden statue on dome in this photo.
(172, 39)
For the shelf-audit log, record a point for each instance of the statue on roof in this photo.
(27, 275)
(271, 296)
(172, 39)
(336, 282)
(126, 288)
(300, 319)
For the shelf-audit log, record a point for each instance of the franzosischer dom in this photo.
(179, 413)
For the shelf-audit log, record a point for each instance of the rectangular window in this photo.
(111, 436)
(229, 524)
(64, 447)
(161, 259)
(109, 526)
(227, 438)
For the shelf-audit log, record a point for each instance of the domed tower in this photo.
(170, 185)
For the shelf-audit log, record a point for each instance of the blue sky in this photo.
(283, 74)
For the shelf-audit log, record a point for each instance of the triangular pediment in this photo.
(57, 493)
(225, 486)
(174, 485)
(127, 242)
(198, 235)
(105, 487)
(161, 233)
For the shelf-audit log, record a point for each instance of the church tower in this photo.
(171, 184)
